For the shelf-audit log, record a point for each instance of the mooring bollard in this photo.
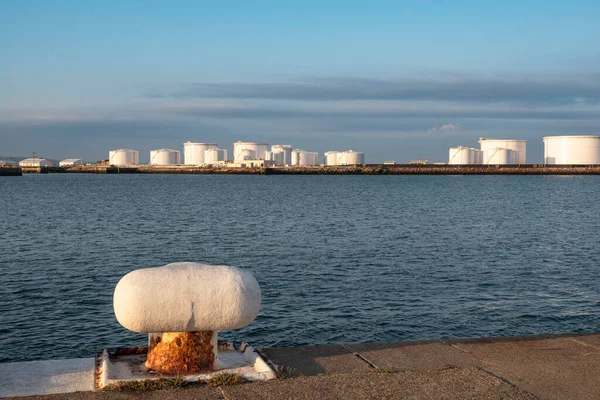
(182, 306)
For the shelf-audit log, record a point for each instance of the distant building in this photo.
(349, 157)
(123, 157)
(245, 151)
(575, 150)
(35, 162)
(70, 162)
(250, 164)
(7, 163)
(165, 157)
(303, 158)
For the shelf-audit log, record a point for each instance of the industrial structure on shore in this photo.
(35, 162)
(572, 150)
(491, 152)
(165, 157)
(245, 154)
(558, 150)
(350, 157)
(123, 157)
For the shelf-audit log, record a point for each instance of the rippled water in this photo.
(338, 258)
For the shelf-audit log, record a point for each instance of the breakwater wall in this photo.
(373, 169)
(10, 171)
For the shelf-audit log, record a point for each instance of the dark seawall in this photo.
(372, 169)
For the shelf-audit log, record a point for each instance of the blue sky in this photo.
(395, 79)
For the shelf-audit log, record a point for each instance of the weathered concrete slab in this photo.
(316, 360)
(414, 356)
(204, 392)
(459, 383)
(589, 340)
(45, 377)
(559, 368)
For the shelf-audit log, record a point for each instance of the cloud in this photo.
(393, 110)
(438, 130)
(548, 90)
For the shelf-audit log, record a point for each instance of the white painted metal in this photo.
(286, 149)
(500, 156)
(241, 150)
(349, 157)
(478, 156)
(123, 157)
(215, 155)
(268, 156)
(304, 158)
(352, 158)
(246, 154)
(70, 162)
(165, 157)
(332, 158)
(583, 150)
(462, 155)
(278, 158)
(518, 145)
(193, 153)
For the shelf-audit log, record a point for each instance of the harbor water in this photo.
(340, 259)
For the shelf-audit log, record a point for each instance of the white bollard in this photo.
(182, 306)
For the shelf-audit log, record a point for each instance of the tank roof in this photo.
(240, 142)
(502, 140)
(572, 136)
(210, 144)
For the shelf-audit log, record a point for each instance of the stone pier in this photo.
(530, 367)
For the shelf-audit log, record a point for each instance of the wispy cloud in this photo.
(446, 128)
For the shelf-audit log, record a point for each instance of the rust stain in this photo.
(181, 353)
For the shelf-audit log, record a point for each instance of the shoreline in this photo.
(371, 169)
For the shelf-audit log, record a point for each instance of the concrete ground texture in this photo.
(534, 367)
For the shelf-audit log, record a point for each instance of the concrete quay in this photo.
(529, 367)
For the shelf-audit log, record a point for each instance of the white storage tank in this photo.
(70, 162)
(478, 156)
(517, 145)
(351, 157)
(215, 155)
(286, 151)
(123, 157)
(463, 155)
(249, 151)
(460, 156)
(304, 158)
(246, 154)
(278, 158)
(193, 153)
(500, 156)
(581, 150)
(165, 157)
(332, 158)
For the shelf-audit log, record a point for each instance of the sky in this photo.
(398, 80)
